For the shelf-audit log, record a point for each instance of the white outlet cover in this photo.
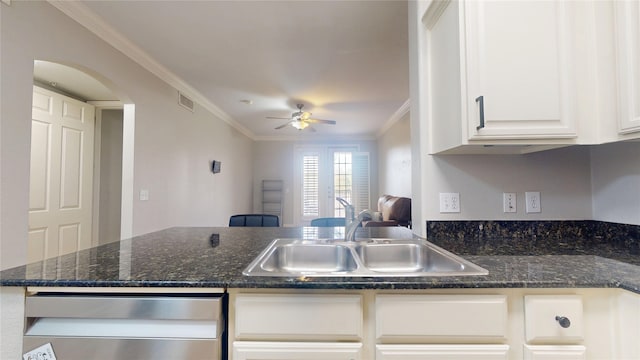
(449, 202)
(532, 200)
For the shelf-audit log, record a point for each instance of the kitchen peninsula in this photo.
(598, 290)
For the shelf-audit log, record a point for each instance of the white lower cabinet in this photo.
(442, 324)
(442, 352)
(250, 350)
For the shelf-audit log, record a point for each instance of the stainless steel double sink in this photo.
(362, 258)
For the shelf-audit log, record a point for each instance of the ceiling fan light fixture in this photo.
(299, 124)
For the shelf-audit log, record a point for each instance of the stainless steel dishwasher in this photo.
(90, 326)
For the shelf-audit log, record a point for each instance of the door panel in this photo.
(39, 180)
(71, 169)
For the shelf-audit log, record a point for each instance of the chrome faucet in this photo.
(351, 222)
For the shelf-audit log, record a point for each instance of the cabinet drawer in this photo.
(442, 352)
(555, 352)
(553, 318)
(255, 350)
(298, 317)
(451, 318)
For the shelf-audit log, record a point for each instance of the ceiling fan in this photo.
(301, 120)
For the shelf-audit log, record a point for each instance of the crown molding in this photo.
(87, 18)
(317, 138)
(402, 111)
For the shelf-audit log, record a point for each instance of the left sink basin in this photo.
(309, 258)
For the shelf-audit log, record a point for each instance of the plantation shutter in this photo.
(310, 185)
(361, 181)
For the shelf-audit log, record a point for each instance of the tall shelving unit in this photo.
(272, 197)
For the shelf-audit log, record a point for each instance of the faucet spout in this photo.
(350, 232)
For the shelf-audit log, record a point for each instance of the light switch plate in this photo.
(449, 202)
(509, 204)
(144, 195)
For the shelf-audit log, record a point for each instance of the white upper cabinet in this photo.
(499, 73)
(518, 82)
(627, 30)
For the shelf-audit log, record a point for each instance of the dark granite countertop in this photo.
(215, 257)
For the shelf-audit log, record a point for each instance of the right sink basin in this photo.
(410, 257)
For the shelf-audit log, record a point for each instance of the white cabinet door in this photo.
(518, 66)
(248, 350)
(627, 20)
(628, 325)
(442, 352)
(500, 73)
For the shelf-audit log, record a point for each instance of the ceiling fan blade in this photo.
(321, 121)
(283, 125)
(277, 118)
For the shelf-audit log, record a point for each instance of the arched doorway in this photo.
(57, 189)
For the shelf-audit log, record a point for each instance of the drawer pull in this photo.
(480, 101)
(563, 321)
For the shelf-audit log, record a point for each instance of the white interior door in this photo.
(61, 179)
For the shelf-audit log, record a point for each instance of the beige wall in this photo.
(109, 204)
(394, 159)
(173, 146)
(615, 173)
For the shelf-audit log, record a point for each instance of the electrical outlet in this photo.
(449, 202)
(509, 203)
(532, 199)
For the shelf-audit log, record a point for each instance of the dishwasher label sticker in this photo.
(44, 352)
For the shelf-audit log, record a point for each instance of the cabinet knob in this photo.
(563, 321)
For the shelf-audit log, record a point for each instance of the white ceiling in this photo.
(345, 60)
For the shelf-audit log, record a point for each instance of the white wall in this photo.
(615, 173)
(110, 175)
(274, 160)
(562, 177)
(394, 159)
(173, 146)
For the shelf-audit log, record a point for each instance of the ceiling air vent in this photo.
(185, 101)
